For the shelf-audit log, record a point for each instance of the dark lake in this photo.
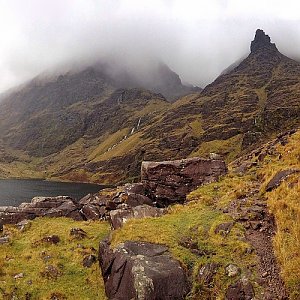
(15, 191)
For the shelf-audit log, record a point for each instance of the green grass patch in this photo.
(284, 203)
(195, 221)
(28, 255)
(229, 148)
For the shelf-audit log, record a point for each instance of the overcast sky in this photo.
(197, 39)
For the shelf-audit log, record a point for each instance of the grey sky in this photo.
(197, 39)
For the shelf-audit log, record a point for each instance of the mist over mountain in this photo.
(99, 123)
(197, 40)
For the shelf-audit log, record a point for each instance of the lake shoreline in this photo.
(15, 191)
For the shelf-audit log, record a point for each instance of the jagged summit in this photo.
(262, 40)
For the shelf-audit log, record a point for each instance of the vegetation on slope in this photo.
(51, 271)
(210, 206)
(284, 203)
(74, 133)
(190, 232)
(193, 232)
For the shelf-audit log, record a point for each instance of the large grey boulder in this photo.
(141, 271)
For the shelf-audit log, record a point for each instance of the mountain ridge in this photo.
(251, 103)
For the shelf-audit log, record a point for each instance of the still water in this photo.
(14, 191)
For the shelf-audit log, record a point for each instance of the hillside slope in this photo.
(61, 137)
(232, 115)
(237, 238)
(79, 134)
(259, 97)
(239, 222)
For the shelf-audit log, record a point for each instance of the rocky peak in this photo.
(261, 40)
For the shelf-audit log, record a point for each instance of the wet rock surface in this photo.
(169, 181)
(140, 270)
(61, 206)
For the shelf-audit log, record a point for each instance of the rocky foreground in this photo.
(218, 244)
(162, 183)
(133, 270)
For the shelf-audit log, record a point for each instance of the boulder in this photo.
(224, 228)
(140, 270)
(207, 273)
(66, 209)
(279, 177)
(232, 270)
(135, 188)
(89, 260)
(61, 206)
(51, 272)
(93, 212)
(23, 225)
(240, 290)
(133, 200)
(120, 216)
(191, 244)
(98, 206)
(167, 182)
(78, 233)
(51, 239)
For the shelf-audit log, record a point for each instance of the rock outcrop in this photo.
(62, 206)
(140, 270)
(91, 207)
(163, 183)
(261, 40)
(279, 178)
(241, 290)
(170, 181)
(120, 216)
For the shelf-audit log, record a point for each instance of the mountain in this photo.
(80, 127)
(253, 101)
(158, 78)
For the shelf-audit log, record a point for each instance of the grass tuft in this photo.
(51, 269)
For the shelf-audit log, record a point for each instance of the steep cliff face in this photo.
(239, 109)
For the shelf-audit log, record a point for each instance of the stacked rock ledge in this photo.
(162, 184)
(169, 182)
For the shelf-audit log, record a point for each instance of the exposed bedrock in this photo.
(162, 184)
(167, 182)
(141, 271)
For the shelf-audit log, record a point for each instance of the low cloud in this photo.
(197, 39)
